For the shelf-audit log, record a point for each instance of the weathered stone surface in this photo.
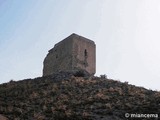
(74, 53)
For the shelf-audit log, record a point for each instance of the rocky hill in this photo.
(74, 97)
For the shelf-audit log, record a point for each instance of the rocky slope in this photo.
(66, 96)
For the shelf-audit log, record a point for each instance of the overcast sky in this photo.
(126, 33)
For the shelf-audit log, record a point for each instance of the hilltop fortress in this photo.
(73, 54)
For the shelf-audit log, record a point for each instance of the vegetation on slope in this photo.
(63, 95)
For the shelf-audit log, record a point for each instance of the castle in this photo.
(74, 53)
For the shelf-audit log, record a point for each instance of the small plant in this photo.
(81, 73)
(11, 81)
(103, 76)
(126, 82)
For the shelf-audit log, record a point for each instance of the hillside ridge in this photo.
(74, 97)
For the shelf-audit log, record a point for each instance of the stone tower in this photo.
(74, 53)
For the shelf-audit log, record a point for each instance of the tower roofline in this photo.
(74, 35)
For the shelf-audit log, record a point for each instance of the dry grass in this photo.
(81, 98)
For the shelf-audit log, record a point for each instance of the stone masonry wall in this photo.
(84, 54)
(71, 54)
(59, 58)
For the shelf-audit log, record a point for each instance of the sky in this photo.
(126, 33)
